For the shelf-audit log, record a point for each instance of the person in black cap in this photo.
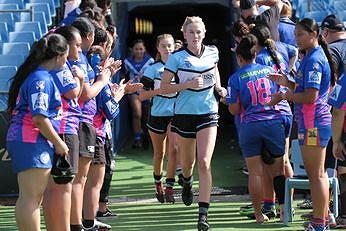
(270, 17)
(333, 30)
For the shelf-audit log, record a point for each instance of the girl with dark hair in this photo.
(32, 138)
(135, 66)
(69, 80)
(316, 75)
(250, 90)
(267, 55)
(87, 133)
(161, 114)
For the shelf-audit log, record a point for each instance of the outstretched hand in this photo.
(132, 87)
(280, 79)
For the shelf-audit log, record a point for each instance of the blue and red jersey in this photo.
(38, 95)
(314, 72)
(263, 57)
(65, 82)
(107, 109)
(338, 98)
(88, 108)
(250, 87)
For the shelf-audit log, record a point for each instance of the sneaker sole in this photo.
(202, 227)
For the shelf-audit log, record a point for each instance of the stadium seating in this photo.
(9, 19)
(17, 48)
(22, 36)
(29, 26)
(49, 2)
(11, 60)
(6, 73)
(38, 17)
(41, 7)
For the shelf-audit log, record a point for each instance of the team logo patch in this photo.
(66, 78)
(44, 157)
(337, 89)
(91, 149)
(187, 63)
(40, 85)
(112, 108)
(315, 77)
(39, 101)
(315, 66)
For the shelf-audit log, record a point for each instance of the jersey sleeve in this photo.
(232, 89)
(148, 78)
(313, 74)
(291, 50)
(109, 106)
(64, 80)
(42, 94)
(172, 63)
(338, 97)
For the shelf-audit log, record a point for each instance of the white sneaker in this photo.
(101, 225)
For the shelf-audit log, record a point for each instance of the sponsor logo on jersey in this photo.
(335, 94)
(44, 157)
(187, 63)
(40, 85)
(40, 101)
(314, 77)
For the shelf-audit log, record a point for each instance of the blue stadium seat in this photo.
(18, 48)
(22, 36)
(11, 60)
(41, 7)
(20, 3)
(9, 6)
(38, 17)
(6, 73)
(317, 15)
(57, 3)
(3, 31)
(9, 19)
(339, 5)
(49, 2)
(29, 26)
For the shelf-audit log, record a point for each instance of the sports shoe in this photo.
(246, 210)
(340, 223)
(169, 195)
(100, 226)
(202, 224)
(308, 227)
(331, 220)
(159, 192)
(187, 195)
(105, 215)
(269, 213)
(306, 204)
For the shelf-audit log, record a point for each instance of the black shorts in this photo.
(187, 126)
(158, 124)
(72, 143)
(87, 140)
(342, 163)
(100, 154)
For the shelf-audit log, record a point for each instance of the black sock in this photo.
(88, 223)
(188, 181)
(76, 227)
(157, 178)
(203, 208)
(170, 182)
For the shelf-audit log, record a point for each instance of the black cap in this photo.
(62, 171)
(247, 4)
(333, 22)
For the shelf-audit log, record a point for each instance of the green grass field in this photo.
(132, 197)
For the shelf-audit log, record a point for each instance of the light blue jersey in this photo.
(162, 105)
(186, 66)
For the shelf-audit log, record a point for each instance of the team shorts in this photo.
(187, 126)
(287, 122)
(87, 140)
(315, 136)
(255, 136)
(30, 155)
(72, 143)
(159, 124)
(100, 154)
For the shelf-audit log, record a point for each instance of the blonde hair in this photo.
(159, 39)
(192, 19)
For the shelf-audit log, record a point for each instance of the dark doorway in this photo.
(169, 18)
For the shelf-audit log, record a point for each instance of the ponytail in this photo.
(269, 44)
(42, 50)
(333, 71)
